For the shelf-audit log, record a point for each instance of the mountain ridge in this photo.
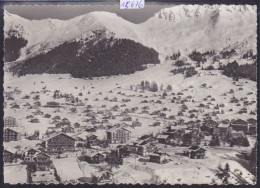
(179, 28)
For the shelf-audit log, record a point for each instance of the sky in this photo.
(63, 11)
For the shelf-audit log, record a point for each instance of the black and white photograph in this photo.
(162, 94)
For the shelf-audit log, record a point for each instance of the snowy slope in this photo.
(180, 27)
(43, 35)
(202, 27)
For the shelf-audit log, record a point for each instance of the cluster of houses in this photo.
(174, 135)
(119, 141)
(40, 160)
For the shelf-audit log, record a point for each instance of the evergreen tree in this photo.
(225, 180)
(169, 88)
(154, 87)
(227, 168)
(161, 87)
(147, 85)
(214, 141)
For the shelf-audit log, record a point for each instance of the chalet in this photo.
(10, 98)
(163, 138)
(29, 117)
(118, 135)
(110, 156)
(37, 103)
(35, 120)
(136, 123)
(222, 130)
(145, 147)
(144, 137)
(38, 112)
(195, 152)
(9, 122)
(90, 129)
(141, 149)
(8, 94)
(207, 129)
(156, 124)
(131, 148)
(252, 125)
(33, 137)
(73, 110)
(47, 115)
(42, 161)
(158, 157)
(15, 106)
(52, 104)
(127, 118)
(123, 151)
(60, 143)
(26, 97)
(171, 117)
(240, 125)
(56, 118)
(8, 156)
(10, 135)
(27, 104)
(36, 97)
(190, 138)
(62, 124)
(76, 125)
(29, 154)
(101, 177)
(17, 91)
(65, 120)
(210, 123)
(93, 140)
(67, 129)
(94, 158)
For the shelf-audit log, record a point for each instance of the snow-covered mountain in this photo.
(202, 27)
(182, 27)
(43, 35)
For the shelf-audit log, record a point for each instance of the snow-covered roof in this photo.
(239, 122)
(116, 128)
(223, 125)
(92, 153)
(100, 173)
(58, 135)
(162, 136)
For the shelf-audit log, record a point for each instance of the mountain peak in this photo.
(186, 12)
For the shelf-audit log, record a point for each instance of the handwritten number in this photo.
(133, 4)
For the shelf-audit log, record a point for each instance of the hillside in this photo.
(43, 35)
(202, 27)
(95, 57)
(182, 27)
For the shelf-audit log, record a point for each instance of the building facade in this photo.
(240, 125)
(118, 135)
(8, 156)
(10, 135)
(43, 162)
(9, 122)
(29, 155)
(60, 143)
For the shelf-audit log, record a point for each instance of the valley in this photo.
(172, 100)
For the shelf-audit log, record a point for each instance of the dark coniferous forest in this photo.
(103, 58)
(12, 46)
(237, 71)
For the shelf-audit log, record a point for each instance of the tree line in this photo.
(236, 71)
(102, 58)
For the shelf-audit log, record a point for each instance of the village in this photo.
(106, 136)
